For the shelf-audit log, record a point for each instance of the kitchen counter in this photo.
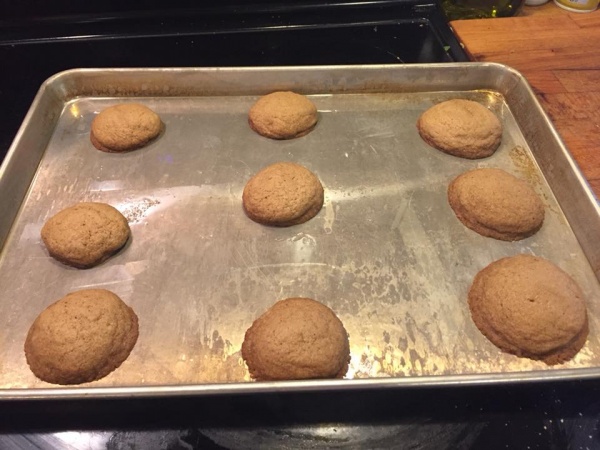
(558, 53)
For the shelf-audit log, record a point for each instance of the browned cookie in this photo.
(529, 307)
(283, 115)
(283, 194)
(85, 234)
(297, 338)
(461, 128)
(496, 204)
(125, 127)
(81, 337)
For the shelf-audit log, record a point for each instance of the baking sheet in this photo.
(386, 253)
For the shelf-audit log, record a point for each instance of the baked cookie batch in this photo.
(122, 128)
(461, 128)
(283, 115)
(525, 305)
(82, 337)
(529, 307)
(85, 234)
(283, 194)
(496, 204)
(297, 338)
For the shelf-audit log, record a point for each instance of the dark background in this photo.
(534, 416)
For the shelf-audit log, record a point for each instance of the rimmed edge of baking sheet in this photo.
(569, 186)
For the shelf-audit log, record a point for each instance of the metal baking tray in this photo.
(386, 253)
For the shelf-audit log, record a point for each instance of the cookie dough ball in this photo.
(126, 127)
(496, 204)
(283, 115)
(81, 338)
(297, 338)
(461, 128)
(527, 306)
(85, 234)
(283, 194)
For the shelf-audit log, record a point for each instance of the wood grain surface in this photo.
(558, 52)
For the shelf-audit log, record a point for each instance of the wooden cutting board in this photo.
(558, 52)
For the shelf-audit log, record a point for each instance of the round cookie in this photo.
(85, 234)
(527, 306)
(496, 204)
(81, 338)
(297, 338)
(283, 194)
(461, 128)
(125, 127)
(283, 115)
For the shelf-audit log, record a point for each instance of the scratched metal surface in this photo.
(386, 252)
